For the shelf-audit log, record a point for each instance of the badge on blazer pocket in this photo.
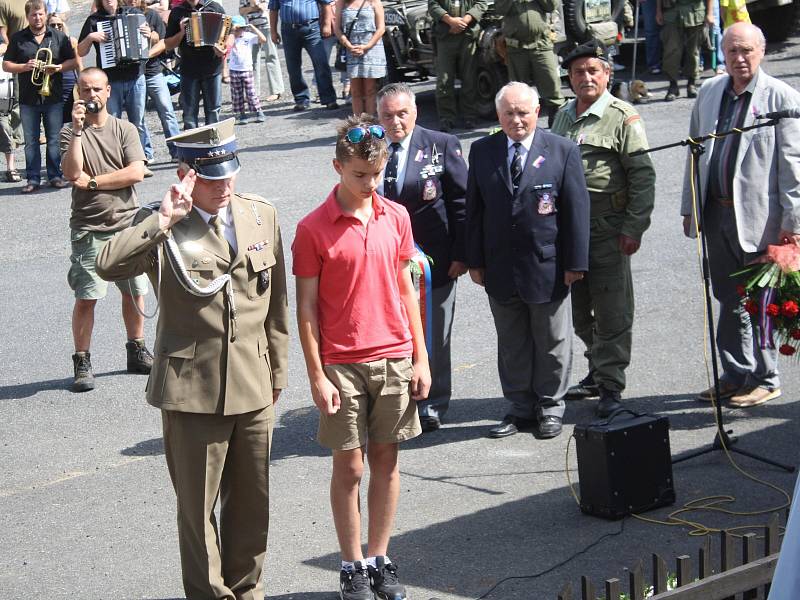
(260, 263)
(429, 190)
(547, 202)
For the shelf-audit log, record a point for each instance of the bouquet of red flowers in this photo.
(772, 297)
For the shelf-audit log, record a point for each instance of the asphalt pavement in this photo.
(86, 505)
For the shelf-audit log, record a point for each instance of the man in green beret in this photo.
(682, 23)
(456, 27)
(531, 60)
(622, 192)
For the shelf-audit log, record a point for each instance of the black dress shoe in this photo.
(510, 425)
(549, 427)
(430, 423)
(609, 403)
(584, 389)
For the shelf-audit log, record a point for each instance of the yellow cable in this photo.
(708, 503)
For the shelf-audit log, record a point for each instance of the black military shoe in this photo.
(140, 359)
(383, 581)
(691, 89)
(608, 403)
(673, 92)
(354, 585)
(82, 366)
(430, 423)
(586, 388)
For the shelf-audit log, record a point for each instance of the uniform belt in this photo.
(303, 23)
(726, 202)
(601, 204)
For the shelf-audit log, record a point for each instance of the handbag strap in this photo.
(353, 23)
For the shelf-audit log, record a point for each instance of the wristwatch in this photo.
(92, 185)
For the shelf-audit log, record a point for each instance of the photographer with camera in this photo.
(103, 157)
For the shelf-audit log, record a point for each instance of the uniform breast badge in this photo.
(429, 190)
(547, 205)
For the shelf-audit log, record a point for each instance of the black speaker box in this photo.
(624, 465)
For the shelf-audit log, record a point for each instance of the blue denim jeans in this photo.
(652, 35)
(32, 117)
(307, 37)
(130, 96)
(191, 88)
(158, 92)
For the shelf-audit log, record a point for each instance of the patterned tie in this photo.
(390, 176)
(516, 166)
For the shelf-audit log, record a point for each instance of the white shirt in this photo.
(241, 57)
(229, 230)
(525, 147)
(402, 161)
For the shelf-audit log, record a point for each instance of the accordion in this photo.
(124, 42)
(208, 29)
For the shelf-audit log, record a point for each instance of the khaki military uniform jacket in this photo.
(439, 8)
(206, 361)
(607, 133)
(525, 22)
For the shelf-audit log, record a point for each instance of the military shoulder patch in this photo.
(632, 119)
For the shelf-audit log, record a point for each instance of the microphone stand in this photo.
(722, 438)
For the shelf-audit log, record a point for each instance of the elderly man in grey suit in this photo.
(750, 186)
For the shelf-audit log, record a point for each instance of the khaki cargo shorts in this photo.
(376, 404)
(83, 277)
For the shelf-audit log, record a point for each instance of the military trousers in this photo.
(456, 58)
(681, 44)
(214, 457)
(603, 305)
(538, 68)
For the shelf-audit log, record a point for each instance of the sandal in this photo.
(13, 176)
(31, 187)
(273, 98)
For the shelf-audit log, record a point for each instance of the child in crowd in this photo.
(362, 338)
(241, 69)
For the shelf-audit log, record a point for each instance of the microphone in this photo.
(789, 113)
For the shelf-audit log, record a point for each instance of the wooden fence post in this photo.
(612, 589)
(683, 567)
(726, 554)
(566, 592)
(748, 556)
(704, 559)
(587, 589)
(636, 582)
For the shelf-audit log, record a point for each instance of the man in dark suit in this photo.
(427, 174)
(527, 242)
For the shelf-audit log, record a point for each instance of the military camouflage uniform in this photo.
(622, 191)
(530, 48)
(456, 56)
(681, 36)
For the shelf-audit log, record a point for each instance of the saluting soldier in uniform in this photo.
(531, 59)
(457, 30)
(682, 24)
(221, 357)
(622, 193)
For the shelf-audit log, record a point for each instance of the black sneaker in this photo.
(140, 359)
(585, 388)
(84, 378)
(383, 581)
(354, 585)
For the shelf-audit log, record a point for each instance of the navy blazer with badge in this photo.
(526, 240)
(438, 222)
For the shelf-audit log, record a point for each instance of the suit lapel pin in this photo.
(538, 162)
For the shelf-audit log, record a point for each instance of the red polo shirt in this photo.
(361, 317)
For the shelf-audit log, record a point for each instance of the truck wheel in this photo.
(489, 81)
(575, 22)
(777, 23)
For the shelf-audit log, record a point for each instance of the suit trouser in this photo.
(603, 305)
(212, 456)
(739, 344)
(537, 68)
(456, 58)
(444, 302)
(534, 354)
(681, 42)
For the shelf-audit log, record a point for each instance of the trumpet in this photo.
(40, 76)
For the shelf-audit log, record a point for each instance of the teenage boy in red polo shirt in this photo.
(362, 338)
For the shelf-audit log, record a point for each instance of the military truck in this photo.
(410, 44)
(776, 18)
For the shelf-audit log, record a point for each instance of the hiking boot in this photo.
(140, 359)
(354, 585)
(82, 366)
(673, 92)
(383, 581)
(609, 403)
(586, 388)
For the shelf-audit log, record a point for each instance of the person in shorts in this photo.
(103, 158)
(363, 342)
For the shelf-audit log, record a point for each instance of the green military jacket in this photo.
(525, 23)
(208, 360)
(686, 13)
(607, 133)
(439, 8)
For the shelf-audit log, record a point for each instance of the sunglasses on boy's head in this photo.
(356, 135)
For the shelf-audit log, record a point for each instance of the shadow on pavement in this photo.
(152, 447)
(27, 390)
